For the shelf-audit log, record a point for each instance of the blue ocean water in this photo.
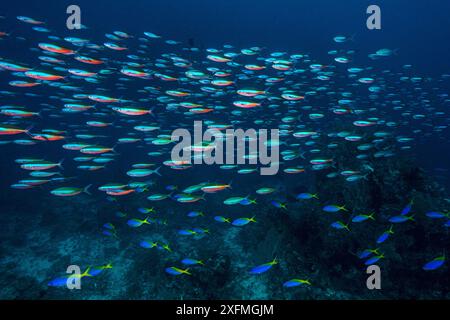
(41, 234)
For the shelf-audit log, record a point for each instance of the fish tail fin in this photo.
(86, 272)
(157, 171)
(343, 208)
(27, 130)
(315, 196)
(60, 164)
(391, 231)
(186, 271)
(151, 113)
(86, 189)
(113, 149)
(81, 47)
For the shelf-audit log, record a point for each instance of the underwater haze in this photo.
(107, 186)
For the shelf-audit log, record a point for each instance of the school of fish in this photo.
(118, 98)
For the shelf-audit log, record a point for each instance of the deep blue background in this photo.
(419, 29)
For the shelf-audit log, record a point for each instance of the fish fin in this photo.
(86, 273)
(157, 171)
(86, 189)
(113, 149)
(27, 130)
(60, 164)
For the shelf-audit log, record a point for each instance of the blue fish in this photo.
(373, 259)
(246, 201)
(407, 209)
(435, 215)
(434, 264)
(385, 235)
(177, 271)
(58, 282)
(189, 261)
(305, 196)
(340, 225)
(193, 214)
(264, 267)
(221, 219)
(401, 219)
(278, 204)
(242, 221)
(367, 252)
(296, 283)
(334, 208)
(363, 217)
(186, 232)
(148, 245)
